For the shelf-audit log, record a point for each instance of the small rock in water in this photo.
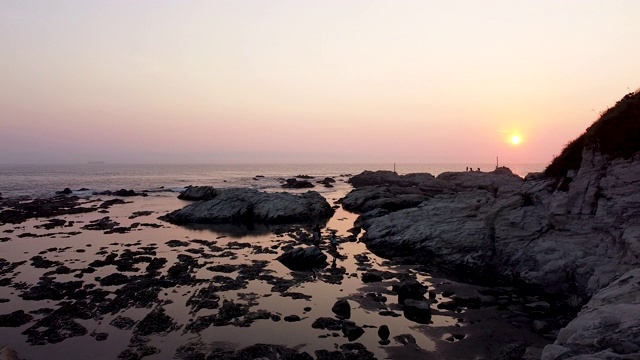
(351, 330)
(383, 333)
(342, 308)
(291, 318)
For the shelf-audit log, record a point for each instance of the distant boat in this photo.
(95, 162)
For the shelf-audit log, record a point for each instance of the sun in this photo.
(515, 139)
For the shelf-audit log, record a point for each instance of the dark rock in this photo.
(351, 330)
(370, 277)
(303, 258)
(66, 191)
(20, 211)
(122, 322)
(383, 332)
(156, 322)
(114, 279)
(176, 243)
(41, 263)
(101, 224)
(125, 193)
(296, 184)
(249, 206)
(342, 308)
(270, 352)
(417, 310)
(109, 203)
(198, 193)
(327, 323)
(59, 324)
(291, 318)
(52, 223)
(15, 319)
(409, 289)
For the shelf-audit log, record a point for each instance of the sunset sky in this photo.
(308, 81)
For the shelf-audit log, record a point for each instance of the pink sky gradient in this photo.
(308, 81)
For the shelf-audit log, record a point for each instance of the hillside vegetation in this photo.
(616, 134)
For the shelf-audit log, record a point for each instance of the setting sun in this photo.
(515, 139)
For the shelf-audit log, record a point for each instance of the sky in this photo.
(298, 81)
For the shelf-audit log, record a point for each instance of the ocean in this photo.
(45, 180)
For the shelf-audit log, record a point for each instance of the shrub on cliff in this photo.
(616, 134)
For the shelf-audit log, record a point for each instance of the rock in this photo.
(291, 318)
(156, 322)
(387, 178)
(327, 323)
(297, 184)
(251, 206)
(409, 289)
(66, 191)
(266, 352)
(383, 332)
(391, 198)
(125, 193)
(608, 322)
(17, 212)
(351, 331)
(342, 309)
(198, 193)
(122, 322)
(15, 319)
(7, 353)
(370, 277)
(417, 311)
(301, 258)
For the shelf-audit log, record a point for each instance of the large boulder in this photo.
(198, 193)
(297, 184)
(252, 206)
(301, 258)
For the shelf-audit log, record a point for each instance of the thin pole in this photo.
(394, 167)
(496, 162)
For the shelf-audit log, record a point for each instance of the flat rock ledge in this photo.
(249, 206)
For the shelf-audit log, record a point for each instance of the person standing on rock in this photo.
(316, 234)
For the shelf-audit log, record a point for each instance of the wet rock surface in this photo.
(252, 206)
(17, 211)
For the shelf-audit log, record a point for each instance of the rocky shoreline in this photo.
(93, 288)
(556, 258)
(565, 239)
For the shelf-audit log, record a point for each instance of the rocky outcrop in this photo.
(252, 206)
(390, 178)
(568, 237)
(297, 184)
(303, 258)
(198, 193)
(574, 241)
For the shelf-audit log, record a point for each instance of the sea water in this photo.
(45, 180)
